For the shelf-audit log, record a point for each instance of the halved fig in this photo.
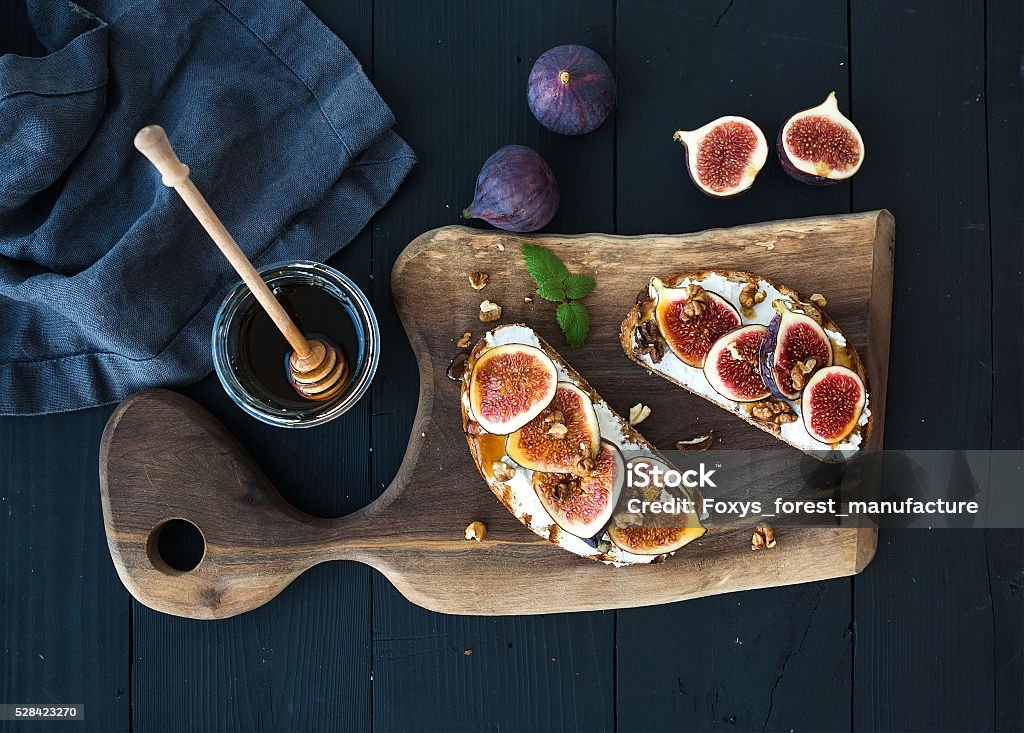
(565, 433)
(691, 319)
(724, 157)
(820, 145)
(794, 346)
(648, 532)
(582, 505)
(510, 386)
(732, 367)
(832, 403)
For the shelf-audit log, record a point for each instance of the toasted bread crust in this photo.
(635, 314)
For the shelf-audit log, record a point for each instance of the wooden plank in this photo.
(304, 662)
(925, 603)
(64, 624)
(455, 76)
(759, 656)
(64, 621)
(1005, 548)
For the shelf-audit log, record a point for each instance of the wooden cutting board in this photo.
(163, 457)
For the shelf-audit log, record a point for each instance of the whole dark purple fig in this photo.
(515, 191)
(571, 90)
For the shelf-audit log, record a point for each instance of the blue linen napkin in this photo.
(107, 283)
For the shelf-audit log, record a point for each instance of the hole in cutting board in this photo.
(177, 545)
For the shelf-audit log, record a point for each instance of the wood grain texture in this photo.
(163, 457)
(931, 608)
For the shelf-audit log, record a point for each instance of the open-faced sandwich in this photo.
(557, 456)
(757, 349)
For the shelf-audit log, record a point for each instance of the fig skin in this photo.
(515, 191)
(571, 90)
(823, 174)
(526, 373)
(776, 377)
(693, 140)
(587, 503)
(533, 448)
(668, 308)
(832, 403)
(753, 387)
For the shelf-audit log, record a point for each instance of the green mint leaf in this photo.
(544, 266)
(577, 286)
(551, 291)
(575, 322)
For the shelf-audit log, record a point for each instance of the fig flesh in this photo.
(571, 90)
(724, 156)
(515, 191)
(794, 342)
(511, 385)
(691, 319)
(649, 532)
(832, 403)
(820, 145)
(732, 365)
(562, 435)
(582, 505)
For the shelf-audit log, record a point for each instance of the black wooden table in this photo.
(929, 637)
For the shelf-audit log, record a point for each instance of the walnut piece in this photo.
(750, 295)
(701, 442)
(585, 461)
(798, 374)
(478, 279)
(476, 531)
(465, 341)
(489, 311)
(502, 472)
(763, 538)
(647, 340)
(696, 302)
(638, 413)
(819, 300)
(557, 430)
(773, 411)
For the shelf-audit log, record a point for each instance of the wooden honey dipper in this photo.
(317, 368)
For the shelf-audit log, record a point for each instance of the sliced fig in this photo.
(582, 505)
(650, 533)
(691, 319)
(832, 403)
(794, 346)
(565, 433)
(724, 157)
(731, 366)
(510, 385)
(820, 145)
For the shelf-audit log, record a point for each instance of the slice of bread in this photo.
(728, 284)
(517, 493)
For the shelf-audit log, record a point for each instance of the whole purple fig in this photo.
(571, 90)
(515, 191)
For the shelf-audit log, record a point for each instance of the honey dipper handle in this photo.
(152, 142)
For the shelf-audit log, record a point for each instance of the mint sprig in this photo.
(554, 283)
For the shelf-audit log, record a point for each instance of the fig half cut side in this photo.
(582, 505)
(732, 365)
(690, 332)
(820, 145)
(560, 436)
(832, 403)
(510, 385)
(793, 341)
(724, 156)
(649, 532)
